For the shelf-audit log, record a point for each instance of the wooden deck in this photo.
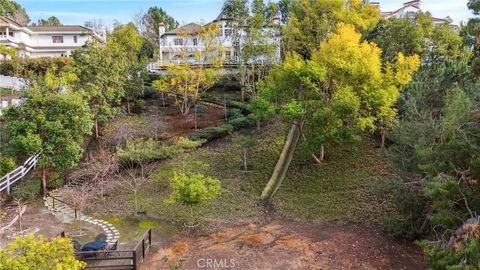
(121, 259)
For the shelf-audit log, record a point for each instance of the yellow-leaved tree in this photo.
(341, 92)
(28, 253)
(195, 72)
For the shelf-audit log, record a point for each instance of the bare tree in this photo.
(133, 176)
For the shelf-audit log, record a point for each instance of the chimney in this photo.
(276, 20)
(161, 29)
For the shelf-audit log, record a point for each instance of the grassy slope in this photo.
(341, 190)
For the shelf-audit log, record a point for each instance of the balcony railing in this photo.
(5, 37)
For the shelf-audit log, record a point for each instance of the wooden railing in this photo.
(56, 201)
(14, 176)
(118, 259)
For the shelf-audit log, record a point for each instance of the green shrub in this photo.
(243, 122)
(26, 190)
(202, 109)
(451, 258)
(54, 181)
(410, 208)
(211, 133)
(148, 150)
(138, 106)
(150, 92)
(7, 164)
(234, 113)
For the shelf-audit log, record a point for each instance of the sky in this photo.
(185, 11)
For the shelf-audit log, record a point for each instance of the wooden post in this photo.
(134, 260)
(75, 213)
(53, 203)
(150, 237)
(143, 249)
(8, 183)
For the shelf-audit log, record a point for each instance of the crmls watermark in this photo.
(216, 263)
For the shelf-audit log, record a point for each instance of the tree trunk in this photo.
(163, 100)
(283, 163)
(135, 201)
(195, 117)
(245, 165)
(258, 124)
(384, 137)
(44, 181)
(96, 128)
(322, 152)
(128, 106)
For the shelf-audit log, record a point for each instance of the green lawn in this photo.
(340, 190)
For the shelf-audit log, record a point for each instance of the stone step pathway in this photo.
(65, 212)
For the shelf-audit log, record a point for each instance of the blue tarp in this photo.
(93, 246)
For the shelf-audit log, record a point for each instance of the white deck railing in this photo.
(16, 175)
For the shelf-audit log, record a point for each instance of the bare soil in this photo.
(40, 221)
(288, 245)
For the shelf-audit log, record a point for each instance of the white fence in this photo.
(12, 177)
(12, 82)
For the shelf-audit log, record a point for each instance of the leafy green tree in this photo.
(474, 5)
(102, 72)
(193, 189)
(342, 91)
(437, 137)
(8, 7)
(12, 9)
(419, 36)
(48, 122)
(310, 22)
(51, 21)
(127, 38)
(150, 21)
(28, 253)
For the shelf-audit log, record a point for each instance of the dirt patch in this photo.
(40, 221)
(289, 245)
(185, 124)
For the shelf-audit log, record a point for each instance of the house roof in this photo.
(68, 28)
(9, 21)
(191, 28)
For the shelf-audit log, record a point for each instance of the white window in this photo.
(228, 32)
(195, 41)
(228, 55)
(178, 42)
(75, 39)
(57, 39)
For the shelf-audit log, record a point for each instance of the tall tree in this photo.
(14, 10)
(127, 38)
(437, 136)
(150, 20)
(417, 35)
(333, 97)
(311, 22)
(48, 122)
(51, 21)
(101, 72)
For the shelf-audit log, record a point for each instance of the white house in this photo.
(408, 9)
(173, 42)
(44, 41)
